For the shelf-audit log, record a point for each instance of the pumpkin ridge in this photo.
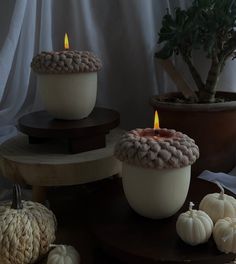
(229, 240)
(205, 222)
(189, 236)
(15, 237)
(36, 236)
(45, 232)
(2, 237)
(35, 252)
(229, 208)
(30, 252)
(234, 240)
(199, 228)
(5, 241)
(5, 217)
(20, 254)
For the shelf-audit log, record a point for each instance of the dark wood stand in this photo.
(79, 135)
(131, 238)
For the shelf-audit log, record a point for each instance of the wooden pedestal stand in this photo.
(78, 135)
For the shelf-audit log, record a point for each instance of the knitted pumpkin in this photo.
(26, 230)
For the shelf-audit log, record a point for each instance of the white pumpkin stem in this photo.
(191, 204)
(221, 195)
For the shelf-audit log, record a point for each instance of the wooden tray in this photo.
(131, 238)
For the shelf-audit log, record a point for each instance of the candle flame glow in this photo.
(66, 42)
(156, 121)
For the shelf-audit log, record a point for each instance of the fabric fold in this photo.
(8, 50)
(228, 181)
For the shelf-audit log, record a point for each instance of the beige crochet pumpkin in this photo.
(26, 230)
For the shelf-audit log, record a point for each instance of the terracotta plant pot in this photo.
(212, 126)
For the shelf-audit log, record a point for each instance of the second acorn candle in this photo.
(156, 169)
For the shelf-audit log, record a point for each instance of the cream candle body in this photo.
(156, 170)
(68, 82)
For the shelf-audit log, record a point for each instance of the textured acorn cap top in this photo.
(157, 149)
(67, 61)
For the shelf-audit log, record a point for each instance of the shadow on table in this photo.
(70, 205)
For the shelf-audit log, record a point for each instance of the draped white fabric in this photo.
(122, 33)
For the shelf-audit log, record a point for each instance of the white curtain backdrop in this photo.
(122, 33)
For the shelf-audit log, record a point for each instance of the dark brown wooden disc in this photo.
(81, 135)
(131, 238)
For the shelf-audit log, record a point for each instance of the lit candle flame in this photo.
(156, 121)
(66, 42)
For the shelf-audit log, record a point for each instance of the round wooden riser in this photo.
(48, 165)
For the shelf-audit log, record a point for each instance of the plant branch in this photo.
(208, 94)
(177, 79)
(195, 75)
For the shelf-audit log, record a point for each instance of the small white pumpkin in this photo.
(224, 234)
(62, 254)
(218, 205)
(194, 226)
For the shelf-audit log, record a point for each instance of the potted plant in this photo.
(204, 114)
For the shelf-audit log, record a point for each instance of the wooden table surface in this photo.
(70, 205)
(131, 238)
(98, 222)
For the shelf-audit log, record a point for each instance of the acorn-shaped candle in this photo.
(156, 169)
(218, 205)
(194, 226)
(67, 81)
